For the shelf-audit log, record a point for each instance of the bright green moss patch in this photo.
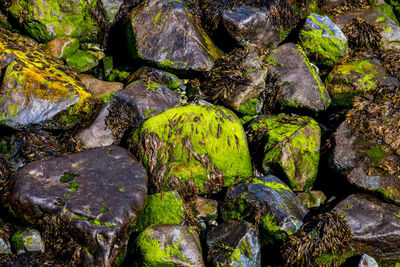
(17, 242)
(68, 176)
(270, 231)
(249, 108)
(377, 153)
(82, 61)
(334, 259)
(387, 10)
(273, 185)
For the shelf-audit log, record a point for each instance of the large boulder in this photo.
(193, 149)
(85, 201)
(163, 33)
(36, 89)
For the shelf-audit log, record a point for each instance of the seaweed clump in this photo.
(347, 6)
(362, 34)
(323, 235)
(391, 59)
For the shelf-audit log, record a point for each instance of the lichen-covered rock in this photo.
(161, 208)
(82, 61)
(48, 19)
(312, 199)
(302, 87)
(353, 78)
(36, 89)
(28, 240)
(82, 201)
(163, 33)
(322, 40)
(234, 243)
(100, 89)
(204, 209)
(193, 149)
(157, 76)
(268, 202)
(168, 245)
(61, 47)
(288, 145)
(375, 226)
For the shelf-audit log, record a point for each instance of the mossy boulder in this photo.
(163, 33)
(48, 19)
(322, 40)
(168, 245)
(312, 199)
(161, 208)
(288, 145)
(82, 61)
(28, 240)
(354, 78)
(36, 89)
(62, 47)
(193, 149)
(269, 204)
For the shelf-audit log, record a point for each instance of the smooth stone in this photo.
(99, 88)
(62, 47)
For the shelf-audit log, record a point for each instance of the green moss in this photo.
(82, 61)
(152, 86)
(107, 97)
(74, 186)
(148, 113)
(161, 208)
(273, 185)
(270, 232)
(104, 209)
(120, 259)
(17, 242)
(91, 220)
(68, 176)
(283, 34)
(68, 195)
(387, 10)
(377, 153)
(70, 49)
(333, 259)
(249, 108)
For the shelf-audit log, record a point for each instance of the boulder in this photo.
(82, 61)
(28, 240)
(312, 199)
(367, 261)
(61, 47)
(100, 89)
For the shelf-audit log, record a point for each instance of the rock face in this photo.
(163, 33)
(302, 86)
(181, 149)
(322, 40)
(169, 245)
(288, 145)
(375, 226)
(268, 202)
(84, 198)
(242, 247)
(36, 89)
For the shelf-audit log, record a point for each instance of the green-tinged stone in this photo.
(82, 61)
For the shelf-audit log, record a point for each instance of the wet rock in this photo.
(171, 245)
(269, 203)
(288, 145)
(100, 89)
(375, 226)
(149, 75)
(165, 34)
(28, 240)
(251, 26)
(82, 202)
(312, 199)
(98, 134)
(38, 90)
(354, 78)
(233, 243)
(82, 61)
(367, 261)
(322, 40)
(46, 20)
(161, 208)
(193, 149)
(62, 47)
(302, 87)
(204, 209)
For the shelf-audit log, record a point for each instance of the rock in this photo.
(169, 245)
(83, 201)
(204, 209)
(82, 61)
(36, 89)
(353, 78)
(302, 87)
(161, 208)
(193, 149)
(5, 247)
(111, 8)
(4, 21)
(46, 20)
(312, 199)
(367, 261)
(98, 134)
(158, 76)
(5, 235)
(375, 226)
(252, 26)
(322, 40)
(100, 89)
(289, 145)
(28, 240)
(268, 202)
(233, 243)
(62, 47)
(165, 34)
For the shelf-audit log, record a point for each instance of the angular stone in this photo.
(322, 40)
(193, 149)
(28, 240)
(158, 76)
(62, 47)
(290, 145)
(91, 197)
(111, 8)
(302, 87)
(169, 245)
(312, 199)
(165, 34)
(241, 246)
(204, 208)
(268, 201)
(353, 78)
(82, 61)
(99, 88)
(375, 226)
(36, 89)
